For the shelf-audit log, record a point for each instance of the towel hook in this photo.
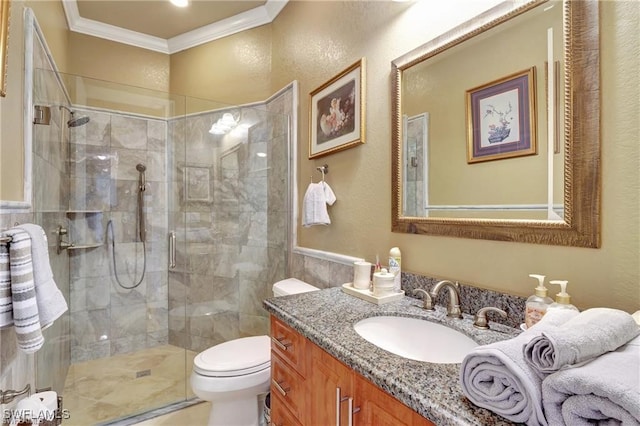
(324, 169)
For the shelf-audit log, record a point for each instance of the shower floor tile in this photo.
(109, 388)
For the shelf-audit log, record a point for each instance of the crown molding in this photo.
(243, 21)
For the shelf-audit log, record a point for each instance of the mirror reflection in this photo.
(496, 128)
(476, 143)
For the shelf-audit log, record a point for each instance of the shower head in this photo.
(75, 121)
(141, 167)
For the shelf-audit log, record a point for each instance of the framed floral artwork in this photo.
(501, 118)
(336, 112)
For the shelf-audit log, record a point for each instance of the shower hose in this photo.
(113, 256)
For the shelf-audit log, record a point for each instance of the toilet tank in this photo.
(292, 286)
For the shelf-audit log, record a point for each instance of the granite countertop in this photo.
(326, 318)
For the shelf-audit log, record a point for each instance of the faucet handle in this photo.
(428, 303)
(481, 317)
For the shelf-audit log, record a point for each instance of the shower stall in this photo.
(177, 212)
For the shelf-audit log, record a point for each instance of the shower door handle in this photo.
(172, 249)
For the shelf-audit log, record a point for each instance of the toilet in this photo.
(233, 374)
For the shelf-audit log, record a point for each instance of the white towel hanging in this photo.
(314, 205)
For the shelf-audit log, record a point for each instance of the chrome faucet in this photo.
(428, 303)
(480, 320)
(453, 308)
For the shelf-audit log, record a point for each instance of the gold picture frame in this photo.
(337, 113)
(501, 118)
(5, 10)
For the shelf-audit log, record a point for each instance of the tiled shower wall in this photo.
(107, 319)
(232, 234)
(227, 205)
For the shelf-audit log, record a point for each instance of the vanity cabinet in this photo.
(327, 391)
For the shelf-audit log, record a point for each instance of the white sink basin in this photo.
(416, 339)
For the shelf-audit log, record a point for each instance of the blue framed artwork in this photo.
(501, 118)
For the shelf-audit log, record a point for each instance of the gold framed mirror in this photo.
(551, 193)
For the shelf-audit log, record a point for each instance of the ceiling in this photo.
(160, 26)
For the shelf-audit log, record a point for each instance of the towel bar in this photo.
(9, 395)
(7, 240)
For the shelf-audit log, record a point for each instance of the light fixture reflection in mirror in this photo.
(516, 198)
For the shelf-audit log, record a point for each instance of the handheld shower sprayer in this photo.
(143, 182)
(142, 187)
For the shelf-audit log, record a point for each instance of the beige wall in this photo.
(313, 41)
(233, 70)
(106, 60)
(50, 16)
(11, 132)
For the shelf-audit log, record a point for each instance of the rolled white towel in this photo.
(496, 376)
(604, 391)
(590, 334)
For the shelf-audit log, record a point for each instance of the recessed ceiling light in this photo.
(180, 3)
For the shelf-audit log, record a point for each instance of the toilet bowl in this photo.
(233, 374)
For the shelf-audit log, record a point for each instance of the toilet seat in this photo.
(237, 357)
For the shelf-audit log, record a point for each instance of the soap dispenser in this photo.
(563, 300)
(537, 304)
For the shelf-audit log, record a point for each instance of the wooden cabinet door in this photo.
(289, 345)
(378, 408)
(330, 385)
(280, 416)
(288, 385)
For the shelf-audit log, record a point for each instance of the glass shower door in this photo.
(121, 359)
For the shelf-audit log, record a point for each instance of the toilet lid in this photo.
(235, 358)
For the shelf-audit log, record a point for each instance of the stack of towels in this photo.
(569, 369)
(29, 297)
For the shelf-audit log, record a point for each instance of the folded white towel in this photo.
(604, 391)
(590, 334)
(51, 302)
(6, 306)
(314, 205)
(23, 293)
(496, 376)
